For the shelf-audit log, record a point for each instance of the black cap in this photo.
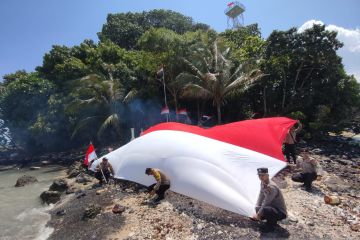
(262, 171)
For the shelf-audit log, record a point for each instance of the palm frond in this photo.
(131, 95)
(82, 124)
(193, 68)
(192, 90)
(112, 120)
(244, 81)
(215, 56)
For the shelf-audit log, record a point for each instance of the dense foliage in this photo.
(97, 91)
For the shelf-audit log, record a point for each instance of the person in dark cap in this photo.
(270, 205)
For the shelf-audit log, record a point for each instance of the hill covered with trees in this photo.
(96, 91)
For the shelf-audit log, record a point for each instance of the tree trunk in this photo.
(198, 111)
(284, 94)
(264, 96)
(218, 108)
(176, 107)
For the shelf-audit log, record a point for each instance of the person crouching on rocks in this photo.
(161, 186)
(270, 205)
(308, 171)
(103, 170)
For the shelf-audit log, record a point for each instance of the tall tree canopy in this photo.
(125, 29)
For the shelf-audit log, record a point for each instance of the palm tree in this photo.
(101, 95)
(212, 76)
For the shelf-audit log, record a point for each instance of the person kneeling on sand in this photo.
(270, 205)
(162, 183)
(103, 170)
(308, 171)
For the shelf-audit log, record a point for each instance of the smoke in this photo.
(5, 135)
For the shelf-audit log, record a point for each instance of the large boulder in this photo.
(336, 184)
(25, 180)
(59, 185)
(50, 196)
(75, 169)
(91, 211)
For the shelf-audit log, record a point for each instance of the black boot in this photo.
(268, 227)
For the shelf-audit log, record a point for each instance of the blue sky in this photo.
(29, 28)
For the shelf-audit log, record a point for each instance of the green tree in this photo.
(20, 103)
(60, 65)
(125, 29)
(8, 78)
(97, 102)
(215, 77)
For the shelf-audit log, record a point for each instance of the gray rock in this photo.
(70, 190)
(80, 193)
(50, 196)
(74, 170)
(128, 190)
(73, 173)
(34, 168)
(316, 150)
(60, 185)
(82, 178)
(25, 180)
(345, 162)
(336, 184)
(61, 212)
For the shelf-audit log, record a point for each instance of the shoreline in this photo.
(23, 214)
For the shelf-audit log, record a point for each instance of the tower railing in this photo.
(232, 6)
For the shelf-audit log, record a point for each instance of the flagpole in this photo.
(163, 80)
(102, 173)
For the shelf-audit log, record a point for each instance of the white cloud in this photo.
(350, 52)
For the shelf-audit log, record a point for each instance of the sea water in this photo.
(22, 214)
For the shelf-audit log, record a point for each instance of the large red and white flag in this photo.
(217, 165)
(90, 154)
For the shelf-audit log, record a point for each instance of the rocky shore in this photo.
(86, 211)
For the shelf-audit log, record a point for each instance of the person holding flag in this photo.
(103, 171)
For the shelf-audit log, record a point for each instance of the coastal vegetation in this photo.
(96, 91)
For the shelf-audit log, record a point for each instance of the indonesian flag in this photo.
(165, 110)
(90, 154)
(160, 73)
(206, 117)
(182, 111)
(230, 4)
(217, 165)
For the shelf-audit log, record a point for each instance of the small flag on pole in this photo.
(160, 73)
(206, 117)
(230, 4)
(90, 154)
(182, 111)
(165, 110)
